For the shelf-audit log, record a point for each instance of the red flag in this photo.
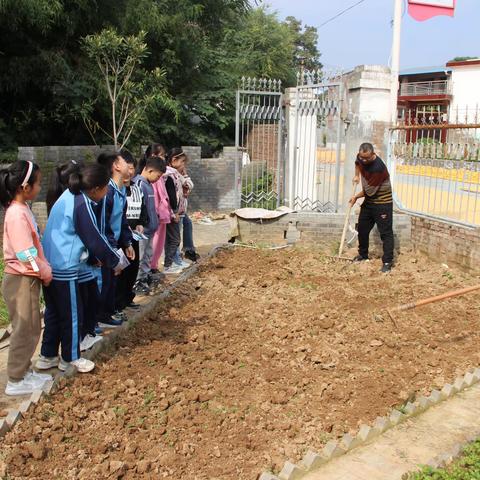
(424, 9)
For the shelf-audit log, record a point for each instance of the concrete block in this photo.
(4, 333)
(410, 408)
(348, 442)
(469, 379)
(366, 433)
(435, 397)
(36, 396)
(456, 450)
(424, 403)
(445, 459)
(13, 417)
(268, 476)
(459, 384)
(448, 390)
(48, 387)
(332, 449)
(25, 406)
(4, 427)
(312, 460)
(433, 463)
(396, 417)
(381, 424)
(290, 471)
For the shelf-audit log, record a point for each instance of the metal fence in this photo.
(435, 167)
(420, 89)
(259, 136)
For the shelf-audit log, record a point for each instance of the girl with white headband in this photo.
(25, 270)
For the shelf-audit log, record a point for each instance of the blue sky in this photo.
(363, 35)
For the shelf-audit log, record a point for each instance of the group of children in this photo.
(108, 225)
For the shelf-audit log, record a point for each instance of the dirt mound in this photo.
(259, 357)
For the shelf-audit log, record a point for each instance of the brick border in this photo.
(7, 423)
(313, 460)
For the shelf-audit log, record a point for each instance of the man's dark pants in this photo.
(382, 216)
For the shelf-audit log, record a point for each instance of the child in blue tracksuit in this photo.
(71, 236)
(118, 233)
(88, 274)
(153, 170)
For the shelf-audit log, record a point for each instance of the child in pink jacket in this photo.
(26, 269)
(165, 216)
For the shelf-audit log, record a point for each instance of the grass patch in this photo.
(4, 321)
(466, 467)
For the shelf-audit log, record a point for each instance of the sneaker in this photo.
(141, 288)
(45, 363)
(98, 330)
(45, 377)
(110, 323)
(173, 269)
(192, 255)
(360, 258)
(156, 276)
(89, 341)
(386, 268)
(82, 365)
(134, 306)
(122, 316)
(25, 386)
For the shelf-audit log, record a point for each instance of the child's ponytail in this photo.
(5, 196)
(17, 175)
(75, 183)
(60, 181)
(89, 177)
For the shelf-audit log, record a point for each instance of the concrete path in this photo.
(410, 444)
(206, 237)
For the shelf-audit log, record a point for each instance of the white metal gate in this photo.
(259, 136)
(292, 144)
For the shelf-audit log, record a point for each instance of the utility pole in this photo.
(395, 67)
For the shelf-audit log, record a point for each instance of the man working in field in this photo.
(377, 207)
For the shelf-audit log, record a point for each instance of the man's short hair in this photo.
(367, 148)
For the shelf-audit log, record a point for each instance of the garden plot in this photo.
(261, 356)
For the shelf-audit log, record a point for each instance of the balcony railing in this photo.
(422, 89)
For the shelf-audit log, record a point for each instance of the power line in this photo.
(340, 14)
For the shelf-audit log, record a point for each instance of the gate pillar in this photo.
(368, 115)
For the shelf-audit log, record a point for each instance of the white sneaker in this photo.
(45, 377)
(89, 341)
(183, 265)
(83, 365)
(25, 386)
(174, 269)
(45, 363)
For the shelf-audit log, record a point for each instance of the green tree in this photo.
(198, 51)
(130, 89)
(305, 54)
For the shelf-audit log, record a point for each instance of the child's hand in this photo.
(117, 271)
(139, 228)
(130, 253)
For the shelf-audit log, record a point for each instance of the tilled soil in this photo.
(259, 357)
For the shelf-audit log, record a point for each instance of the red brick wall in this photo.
(447, 243)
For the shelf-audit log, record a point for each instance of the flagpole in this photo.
(395, 67)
